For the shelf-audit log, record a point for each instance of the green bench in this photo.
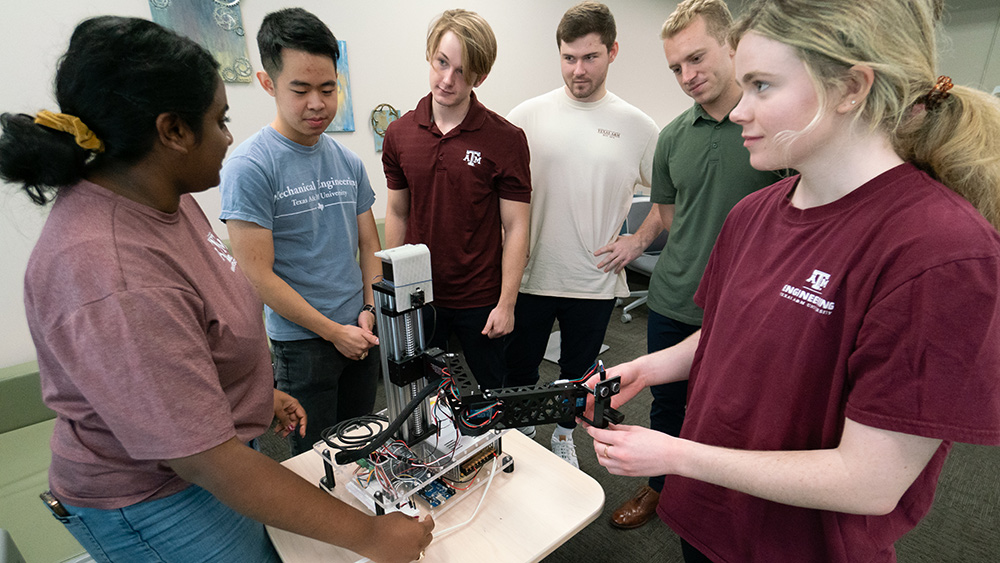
(25, 428)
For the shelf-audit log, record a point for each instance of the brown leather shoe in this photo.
(637, 510)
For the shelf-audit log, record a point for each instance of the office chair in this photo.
(645, 263)
(8, 551)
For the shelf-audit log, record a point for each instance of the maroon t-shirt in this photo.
(456, 182)
(150, 345)
(882, 307)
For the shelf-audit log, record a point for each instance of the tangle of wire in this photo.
(390, 464)
(438, 535)
(394, 465)
(490, 413)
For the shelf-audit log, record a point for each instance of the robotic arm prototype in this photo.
(413, 374)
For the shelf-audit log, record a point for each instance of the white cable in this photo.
(486, 489)
(445, 532)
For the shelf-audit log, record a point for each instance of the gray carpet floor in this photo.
(962, 527)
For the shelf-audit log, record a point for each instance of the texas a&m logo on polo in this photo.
(472, 158)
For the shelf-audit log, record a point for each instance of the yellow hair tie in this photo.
(70, 124)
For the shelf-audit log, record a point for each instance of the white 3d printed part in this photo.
(407, 269)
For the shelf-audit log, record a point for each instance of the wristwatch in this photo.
(369, 308)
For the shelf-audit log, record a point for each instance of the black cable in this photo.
(345, 432)
(347, 455)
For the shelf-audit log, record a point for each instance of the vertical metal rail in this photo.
(400, 337)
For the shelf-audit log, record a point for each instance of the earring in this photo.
(853, 102)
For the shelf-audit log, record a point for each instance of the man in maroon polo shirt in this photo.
(459, 182)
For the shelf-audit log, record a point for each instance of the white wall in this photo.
(971, 52)
(386, 51)
(385, 45)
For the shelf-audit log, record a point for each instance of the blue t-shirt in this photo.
(310, 199)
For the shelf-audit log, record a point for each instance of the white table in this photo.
(526, 515)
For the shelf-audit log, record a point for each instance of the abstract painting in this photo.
(344, 121)
(215, 25)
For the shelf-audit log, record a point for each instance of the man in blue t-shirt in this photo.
(298, 207)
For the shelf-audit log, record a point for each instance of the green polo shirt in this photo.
(702, 167)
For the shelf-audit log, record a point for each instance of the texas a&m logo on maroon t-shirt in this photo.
(810, 294)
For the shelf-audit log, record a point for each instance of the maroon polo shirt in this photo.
(456, 182)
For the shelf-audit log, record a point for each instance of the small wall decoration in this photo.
(344, 120)
(215, 25)
(382, 116)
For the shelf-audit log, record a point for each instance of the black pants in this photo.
(666, 413)
(483, 355)
(330, 387)
(692, 555)
(582, 323)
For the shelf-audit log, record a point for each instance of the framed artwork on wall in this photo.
(344, 121)
(216, 25)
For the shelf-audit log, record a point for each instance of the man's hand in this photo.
(623, 250)
(289, 414)
(626, 248)
(353, 342)
(500, 322)
(366, 320)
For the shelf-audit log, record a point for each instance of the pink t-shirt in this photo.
(881, 307)
(150, 345)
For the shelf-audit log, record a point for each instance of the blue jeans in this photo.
(666, 413)
(191, 525)
(582, 324)
(330, 387)
(483, 355)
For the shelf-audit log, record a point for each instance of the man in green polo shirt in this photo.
(700, 171)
